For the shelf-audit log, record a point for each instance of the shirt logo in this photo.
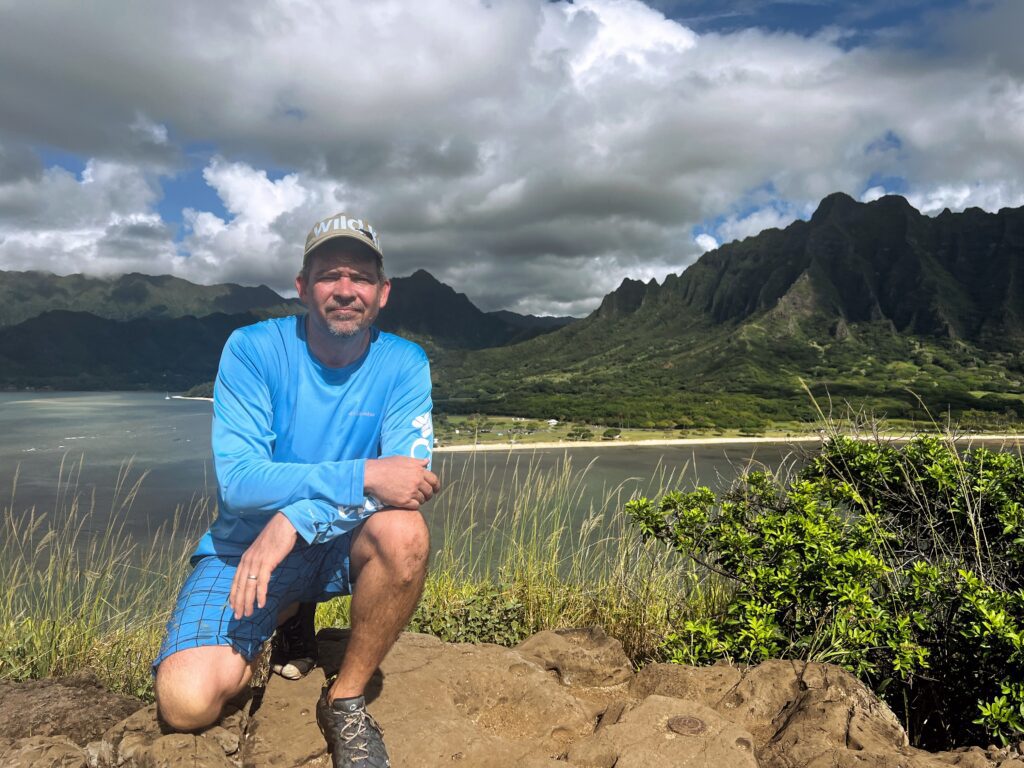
(421, 447)
(424, 424)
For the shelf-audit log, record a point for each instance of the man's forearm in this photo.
(263, 485)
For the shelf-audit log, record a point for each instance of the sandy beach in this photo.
(770, 440)
(773, 440)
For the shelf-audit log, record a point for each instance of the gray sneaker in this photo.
(353, 737)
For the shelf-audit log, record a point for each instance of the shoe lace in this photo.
(353, 728)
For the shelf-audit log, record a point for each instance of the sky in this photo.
(531, 154)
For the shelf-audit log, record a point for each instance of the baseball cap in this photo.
(342, 225)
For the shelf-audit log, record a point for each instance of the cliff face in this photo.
(628, 298)
(954, 276)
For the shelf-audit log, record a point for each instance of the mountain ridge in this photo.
(421, 305)
(872, 303)
(864, 300)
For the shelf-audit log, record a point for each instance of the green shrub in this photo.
(485, 615)
(901, 564)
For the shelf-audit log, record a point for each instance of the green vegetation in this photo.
(200, 390)
(24, 295)
(900, 563)
(579, 432)
(751, 377)
(80, 593)
(528, 569)
(453, 430)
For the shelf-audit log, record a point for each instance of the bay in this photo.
(53, 444)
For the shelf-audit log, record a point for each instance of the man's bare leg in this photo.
(389, 565)
(193, 685)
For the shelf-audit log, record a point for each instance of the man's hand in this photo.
(264, 555)
(400, 481)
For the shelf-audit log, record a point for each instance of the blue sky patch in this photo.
(57, 157)
(893, 185)
(188, 189)
(803, 17)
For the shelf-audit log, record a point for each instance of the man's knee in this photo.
(400, 538)
(193, 685)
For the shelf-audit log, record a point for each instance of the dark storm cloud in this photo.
(532, 154)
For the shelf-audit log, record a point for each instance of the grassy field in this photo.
(898, 560)
(81, 594)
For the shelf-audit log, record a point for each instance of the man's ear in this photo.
(385, 291)
(300, 286)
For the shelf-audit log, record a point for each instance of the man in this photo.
(322, 438)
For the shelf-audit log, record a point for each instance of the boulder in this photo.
(581, 657)
(143, 740)
(42, 752)
(478, 705)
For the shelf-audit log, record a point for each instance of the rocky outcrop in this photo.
(564, 697)
(76, 707)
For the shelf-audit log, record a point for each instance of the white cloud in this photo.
(530, 153)
(258, 243)
(738, 227)
(100, 222)
(873, 193)
(705, 242)
(957, 197)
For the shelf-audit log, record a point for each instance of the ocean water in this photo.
(55, 443)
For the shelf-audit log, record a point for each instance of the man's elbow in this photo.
(238, 491)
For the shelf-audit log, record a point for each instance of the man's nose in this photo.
(343, 286)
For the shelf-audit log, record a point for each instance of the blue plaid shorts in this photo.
(203, 616)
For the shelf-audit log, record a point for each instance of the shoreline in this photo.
(680, 441)
(775, 440)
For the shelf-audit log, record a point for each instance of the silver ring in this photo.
(254, 578)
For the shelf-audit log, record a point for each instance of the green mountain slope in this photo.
(872, 303)
(77, 350)
(165, 333)
(424, 308)
(24, 295)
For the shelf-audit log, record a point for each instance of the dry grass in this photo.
(83, 593)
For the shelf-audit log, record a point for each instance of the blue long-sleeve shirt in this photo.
(293, 435)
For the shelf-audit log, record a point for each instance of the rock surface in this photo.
(75, 707)
(560, 698)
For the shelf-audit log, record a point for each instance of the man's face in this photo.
(342, 289)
